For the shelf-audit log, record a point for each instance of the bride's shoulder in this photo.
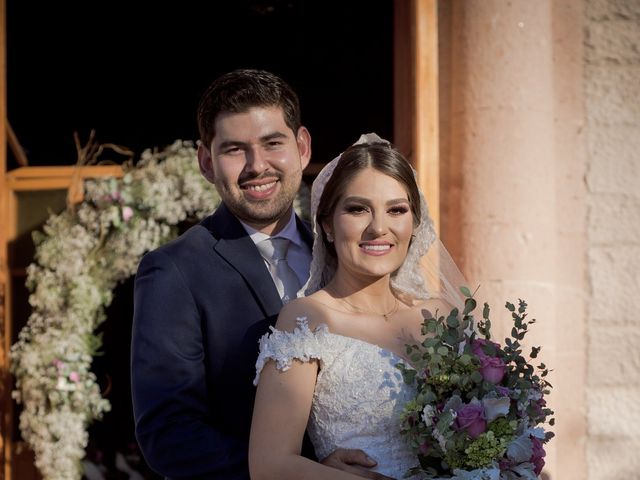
(307, 310)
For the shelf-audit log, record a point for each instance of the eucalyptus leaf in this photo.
(523, 306)
(469, 305)
(444, 351)
(445, 420)
(429, 396)
(409, 376)
(450, 338)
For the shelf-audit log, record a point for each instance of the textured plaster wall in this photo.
(513, 191)
(612, 108)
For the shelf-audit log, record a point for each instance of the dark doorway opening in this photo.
(134, 72)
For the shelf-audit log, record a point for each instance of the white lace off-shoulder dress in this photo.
(358, 397)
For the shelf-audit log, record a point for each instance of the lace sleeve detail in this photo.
(283, 347)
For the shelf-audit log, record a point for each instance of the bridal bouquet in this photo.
(480, 410)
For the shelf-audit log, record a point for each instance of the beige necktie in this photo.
(274, 250)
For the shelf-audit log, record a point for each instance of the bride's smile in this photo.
(376, 248)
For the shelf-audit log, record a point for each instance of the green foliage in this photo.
(450, 369)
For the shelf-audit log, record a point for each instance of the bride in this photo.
(328, 367)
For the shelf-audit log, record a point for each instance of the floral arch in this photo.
(81, 255)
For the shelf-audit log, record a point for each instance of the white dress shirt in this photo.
(299, 253)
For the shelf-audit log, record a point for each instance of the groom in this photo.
(203, 300)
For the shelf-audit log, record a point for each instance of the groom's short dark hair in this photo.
(240, 90)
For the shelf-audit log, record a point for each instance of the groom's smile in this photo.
(262, 187)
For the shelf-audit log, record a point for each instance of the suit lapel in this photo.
(237, 249)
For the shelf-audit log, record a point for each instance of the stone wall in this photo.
(612, 108)
(512, 183)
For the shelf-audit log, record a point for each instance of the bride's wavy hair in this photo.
(382, 157)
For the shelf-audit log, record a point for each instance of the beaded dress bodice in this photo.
(358, 397)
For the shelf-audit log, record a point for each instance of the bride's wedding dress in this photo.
(358, 397)
(359, 393)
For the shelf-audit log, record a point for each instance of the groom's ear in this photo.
(205, 162)
(303, 139)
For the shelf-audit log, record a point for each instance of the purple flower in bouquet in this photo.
(471, 417)
(424, 448)
(503, 391)
(492, 368)
(537, 458)
(539, 406)
(479, 408)
(477, 347)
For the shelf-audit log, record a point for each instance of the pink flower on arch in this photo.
(127, 213)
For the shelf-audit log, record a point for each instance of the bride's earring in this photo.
(329, 238)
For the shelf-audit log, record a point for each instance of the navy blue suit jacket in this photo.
(201, 303)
